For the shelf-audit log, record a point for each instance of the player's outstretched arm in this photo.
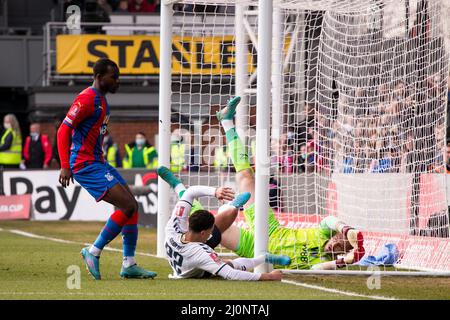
(224, 194)
(195, 192)
(353, 235)
(275, 275)
(349, 258)
(63, 142)
(229, 273)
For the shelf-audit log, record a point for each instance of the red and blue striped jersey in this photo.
(88, 117)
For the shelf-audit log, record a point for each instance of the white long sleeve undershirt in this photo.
(229, 273)
(195, 192)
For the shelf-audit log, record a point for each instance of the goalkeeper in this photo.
(330, 245)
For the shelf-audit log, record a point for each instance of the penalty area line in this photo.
(336, 291)
(36, 236)
(309, 286)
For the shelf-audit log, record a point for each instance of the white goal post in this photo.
(343, 113)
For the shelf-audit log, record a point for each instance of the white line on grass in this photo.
(129, 294)
(32, 235)
(346, 293)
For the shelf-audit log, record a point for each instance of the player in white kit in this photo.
(189, 255)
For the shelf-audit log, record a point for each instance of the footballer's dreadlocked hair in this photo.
(201, 220)
(101, 66)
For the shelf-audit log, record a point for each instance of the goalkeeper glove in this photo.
(354, 236)
(356, 239)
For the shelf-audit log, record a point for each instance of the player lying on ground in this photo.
(306, 247)
(329, 245)
(186, 237)
(323, 243)
(84, 127)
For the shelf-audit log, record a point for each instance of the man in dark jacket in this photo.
(37, 151)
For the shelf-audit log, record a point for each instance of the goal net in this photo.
(357, 117)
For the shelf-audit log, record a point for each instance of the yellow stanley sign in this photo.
(76, 54)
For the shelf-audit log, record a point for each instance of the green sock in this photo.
(237, 151)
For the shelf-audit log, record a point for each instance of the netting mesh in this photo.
(358, 129)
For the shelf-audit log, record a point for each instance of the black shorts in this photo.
(206, 275)
(216, 237)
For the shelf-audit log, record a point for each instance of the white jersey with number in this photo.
(192, 259)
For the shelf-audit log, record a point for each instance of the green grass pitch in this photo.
(32, 268)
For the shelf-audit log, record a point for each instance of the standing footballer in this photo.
(85, 125)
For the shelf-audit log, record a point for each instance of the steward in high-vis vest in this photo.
(111, 152)
(10, 143)
(177, 153)
(140, 154)
(221, 159)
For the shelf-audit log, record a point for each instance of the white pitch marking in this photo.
(32, 235)
(346, 293)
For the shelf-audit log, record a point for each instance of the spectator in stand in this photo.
(68, 3)
(178, 152)
(313, 160)
(399, 92)
(140, 154)
(274, 194)
(141, 6)
(123, 7)
(114, 4)
(37, 151)
(221, 159)
(349, 163)
(93, 12)
(283, 157)
(447, 162)
(10, 143)
(383, 163)
(433, 87)
(439, 152)
(111, 151)
(103, 4)
(448, 107)
(407, 162)
(156, 4)
(301, 159)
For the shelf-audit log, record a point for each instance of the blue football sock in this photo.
(111, 229)
(129, 236)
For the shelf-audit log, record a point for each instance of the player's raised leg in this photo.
(239, 240)
(244, 173)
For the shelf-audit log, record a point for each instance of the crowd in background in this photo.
(385, 131)
(99, 11)
(108, 7)
(38, 151)
(388, 131)
(104, 8)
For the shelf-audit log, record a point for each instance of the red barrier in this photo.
(416, 252)
(15, 207)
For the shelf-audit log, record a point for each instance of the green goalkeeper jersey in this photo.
(304, 246)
